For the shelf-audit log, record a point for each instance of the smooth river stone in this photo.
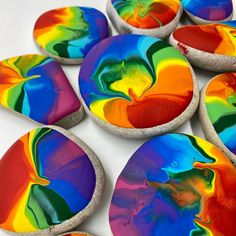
(67, 34)
(77, 234)
(218, 113)
(50, 182)
(175, 184)
(211, 47)
(36, 87)
(137, 86)
(208, 11)
(157, 18)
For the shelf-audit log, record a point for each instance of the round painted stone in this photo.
(76, 234)
(211, 47)
(137, 86)
(67, 34)
(218, 112)
(206, 11)
(50, 182)
(175, 184)
(148, 17)
(36, 87)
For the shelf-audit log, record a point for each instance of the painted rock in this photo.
(50, 182)
(175, 184)
(211, 47)
(218, 112)
(67, 34)
(148, 17)
(207, 11)
(76, 234)
(36, 87)
(137, 86)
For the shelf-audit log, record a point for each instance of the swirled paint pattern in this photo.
(70, 32)
(77, 234)
(220, 101)
(45, 179)
(175, 184)
(210, 10)
(219, 38)
(147, 14)
(134, 81)
(36, 86)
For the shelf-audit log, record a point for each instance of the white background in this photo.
(17, 18)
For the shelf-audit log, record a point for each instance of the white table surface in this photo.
(17, 18)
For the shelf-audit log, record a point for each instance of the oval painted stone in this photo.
(211, 46)
(48, 182)
(209, 10)
(175, 184)
(67, 34)
(218, 113)
(36, 87)
(147, 14)
(133, 82)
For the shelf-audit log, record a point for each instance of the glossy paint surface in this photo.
(45, 179)
(175, 184)
(134, 81)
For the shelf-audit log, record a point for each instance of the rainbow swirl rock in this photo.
(45, 180)
(175, 184)
(67, 34)
(149, 17)
(133, 83)
(36, 87)
(209, 10)
(219, 104)
(218, 39)
(77, 234)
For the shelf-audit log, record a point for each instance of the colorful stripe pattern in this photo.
(45, 179)
(175, 184)
(70, 32)
(135, 81)
(147, 14)
(36, 86)
(220, 103)
(217, 38)
(211, 10)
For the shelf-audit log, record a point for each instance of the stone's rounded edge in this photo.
(208, 128)
(124, 28)
(93, 204)
(98, 192)
(200, 21)
(61, 60)
(136, 133)
(72, 119)
(205, 60)
(76, 232)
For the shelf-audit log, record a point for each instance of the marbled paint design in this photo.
(220, 101)
(211, 10)
(175, 184)
(45, 179)
(135, 81)
(70, 32)
(219, 38)
(77, 234)
(147, 14)
(36, 86)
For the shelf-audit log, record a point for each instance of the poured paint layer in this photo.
(175, 184)
(45, 179)
(211, 10)
(36, 86)
(217, 38)
(147, 14)
(134, 81)
(220, 102)
(70, 32)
